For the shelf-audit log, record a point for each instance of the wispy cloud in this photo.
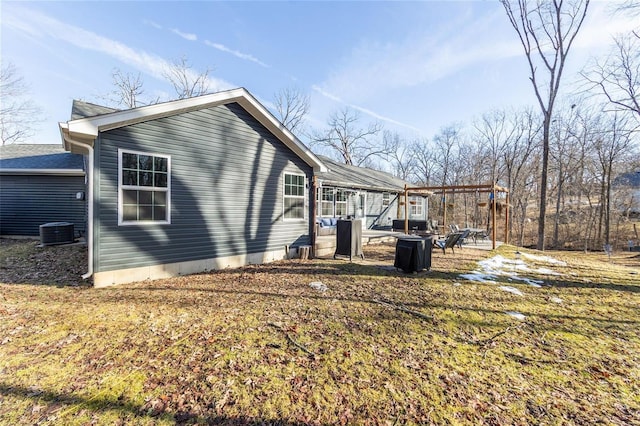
(245, 56)
(186, 36)
(366, 111)
(152, 24)
(38, 25)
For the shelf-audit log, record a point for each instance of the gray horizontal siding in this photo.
(226, 190)
(28, 201)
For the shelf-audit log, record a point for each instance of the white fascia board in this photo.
(87, 129)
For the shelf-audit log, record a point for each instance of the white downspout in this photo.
(89, 148)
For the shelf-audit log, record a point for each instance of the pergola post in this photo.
(506, 221)
(406, 209)
(493, 217)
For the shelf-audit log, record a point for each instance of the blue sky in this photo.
(413, 66)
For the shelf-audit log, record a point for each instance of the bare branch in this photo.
(292, 107)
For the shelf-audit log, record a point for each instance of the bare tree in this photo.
(546, 30)
(401, 157)
(618, 76)
(611, 148)
(354, 145)
(128, 89)
(292, 107)
(18, 113)
(425, 163)
(186, 82)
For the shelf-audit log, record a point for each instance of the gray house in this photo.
(40, 184)
(370, 195)
(191, 185)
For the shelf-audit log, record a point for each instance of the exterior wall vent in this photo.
(56, 233)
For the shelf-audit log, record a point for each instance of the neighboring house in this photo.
(629, 185)
(190, 185)
(361, 193)
(40, 184)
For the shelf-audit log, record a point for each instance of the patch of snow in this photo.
(516, 315)
(478, 277)
(456, 284)
(317, 285)
(546, 259)
(511, 290)
(556, 300)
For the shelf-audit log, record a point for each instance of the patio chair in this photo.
(463, 234)
(449, 242)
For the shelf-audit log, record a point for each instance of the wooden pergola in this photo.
(462, 189)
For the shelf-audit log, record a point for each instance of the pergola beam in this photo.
(462, 189)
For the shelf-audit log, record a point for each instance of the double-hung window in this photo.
(144, 193)
(326, 205)
(386, 199)
(341, 202)
(294, 189)
(416, 206)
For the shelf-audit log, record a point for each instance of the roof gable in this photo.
(81, 109)
(87, 129)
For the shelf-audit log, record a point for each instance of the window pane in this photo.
(293, 208)
(145, 162)
(129, 161)
(146, 179)
(129, 197)
(145, 197)
(160, 164)
(159, 213)
(145, 213)
(160, 180)
(160, 198)
(130, 212)
(129, 177)
(327, 208)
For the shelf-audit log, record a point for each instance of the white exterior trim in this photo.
(122, 222)
(89, 128)
(304, 217)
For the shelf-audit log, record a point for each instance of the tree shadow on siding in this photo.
(223, 203)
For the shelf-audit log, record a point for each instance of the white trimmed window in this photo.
(341, 202)
(386, 199)
(144, 188)
(416, 206)
(294, 189)
(326, 203)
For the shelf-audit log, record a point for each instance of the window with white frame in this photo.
(341, 202)
(326, 202)
(144, 187)
(416, 205)
(386, 199)
(294, 189)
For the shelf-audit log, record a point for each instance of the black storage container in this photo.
(349, 238)
(413, 254)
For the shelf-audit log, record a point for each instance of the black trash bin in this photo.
(349, 238)
(413, 254)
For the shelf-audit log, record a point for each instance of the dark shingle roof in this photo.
(82, 109)
(39, 156)
(358, 177)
